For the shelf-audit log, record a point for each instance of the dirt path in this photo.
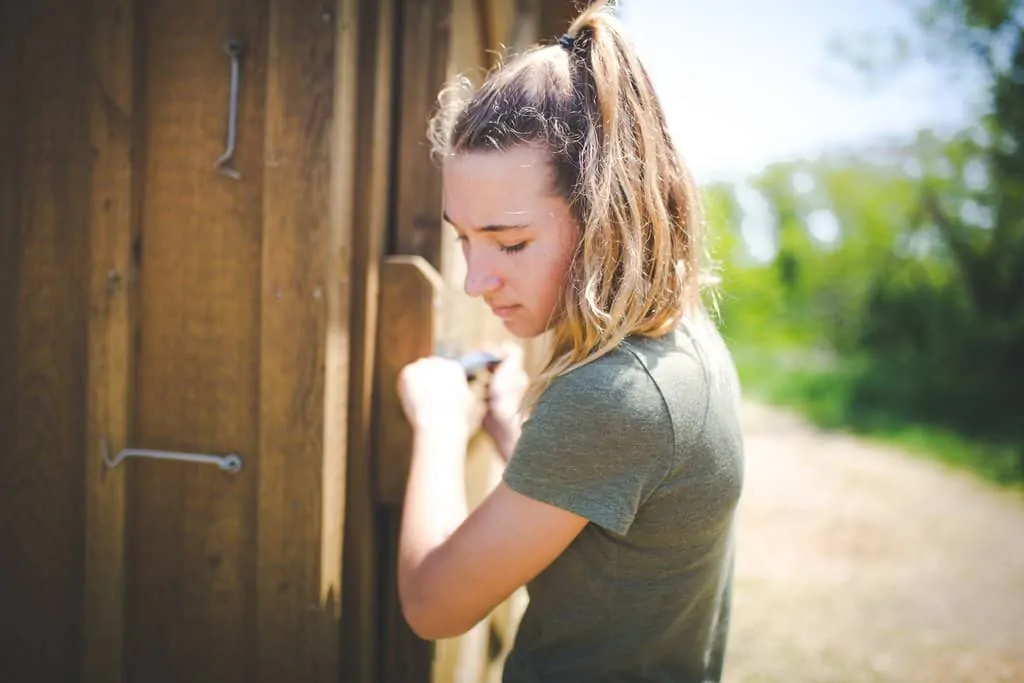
(859, 563)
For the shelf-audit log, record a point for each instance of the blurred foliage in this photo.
(895, 295)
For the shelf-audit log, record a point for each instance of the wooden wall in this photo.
(148, 301)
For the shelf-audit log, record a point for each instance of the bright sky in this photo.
(748, 82)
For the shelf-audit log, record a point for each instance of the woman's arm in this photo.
(447, 587)
(454, 569)
(435, 498)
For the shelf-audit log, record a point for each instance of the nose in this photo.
(481, 277)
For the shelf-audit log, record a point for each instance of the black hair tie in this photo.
(568, 42)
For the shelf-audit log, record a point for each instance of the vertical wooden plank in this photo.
(372, 156)
(15, 585)
(410, 293)
(344, 130)
(13, 99)
(467, 50)
(424, 38)
(110, 330)
(304, 347)
(190, 527)
(41, 466)
(514, 26)
(484, 12)
(556, 15)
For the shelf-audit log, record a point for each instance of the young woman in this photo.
(578, 219)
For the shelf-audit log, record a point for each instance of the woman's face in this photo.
(517, 234)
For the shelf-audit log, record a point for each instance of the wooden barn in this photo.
(220, 237)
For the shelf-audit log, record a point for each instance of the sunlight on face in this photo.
(518, 235)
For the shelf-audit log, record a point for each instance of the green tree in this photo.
(917, 295)
(990, 256)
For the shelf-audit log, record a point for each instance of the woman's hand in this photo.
(435, 395)
(505, 392)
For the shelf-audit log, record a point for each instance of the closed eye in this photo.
(513, 248)
(510, 249)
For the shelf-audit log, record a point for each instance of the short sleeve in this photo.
(600, 439)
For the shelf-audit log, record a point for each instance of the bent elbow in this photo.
(420, 623)
(429, 617)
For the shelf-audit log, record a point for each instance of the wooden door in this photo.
(235, 576)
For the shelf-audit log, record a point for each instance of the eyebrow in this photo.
(488, 228)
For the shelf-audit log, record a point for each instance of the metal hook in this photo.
(233, 48)
(229, 462)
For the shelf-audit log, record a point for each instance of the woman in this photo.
(616, 508)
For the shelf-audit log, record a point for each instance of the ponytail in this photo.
(588, 101)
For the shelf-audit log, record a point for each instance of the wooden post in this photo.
(409, 295)
(409, 298)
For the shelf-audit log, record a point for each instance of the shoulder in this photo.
(617, 387)
(617, 382)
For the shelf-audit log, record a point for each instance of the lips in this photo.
(504, 311)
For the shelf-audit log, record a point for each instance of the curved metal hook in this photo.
(233, 49)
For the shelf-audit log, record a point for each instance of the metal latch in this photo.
(229, 462)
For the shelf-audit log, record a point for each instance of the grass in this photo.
(828, 391)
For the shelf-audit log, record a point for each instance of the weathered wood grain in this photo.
(111, 328)
(304, 351)
(44, 258)
(191, 528)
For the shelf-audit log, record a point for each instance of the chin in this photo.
(523, 330)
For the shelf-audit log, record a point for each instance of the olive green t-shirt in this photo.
(645, 443)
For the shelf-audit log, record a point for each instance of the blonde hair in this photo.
(589, 102)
